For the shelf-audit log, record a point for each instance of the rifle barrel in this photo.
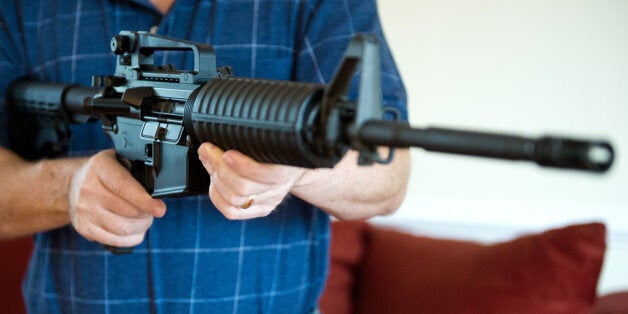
(548, 151)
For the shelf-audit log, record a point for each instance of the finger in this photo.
(272, 182)
(246, 167)
(123, 226)
(235, 212)
(261, 194)
(97, 233)
(112, 222)
(234, 188)
(210, 156)
(100, 196)
(120, 182)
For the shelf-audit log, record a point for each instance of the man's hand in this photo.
(242, 188)
(108, 205)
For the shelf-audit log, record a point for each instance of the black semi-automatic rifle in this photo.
(157, 116)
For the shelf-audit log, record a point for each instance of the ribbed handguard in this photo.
(270, 121)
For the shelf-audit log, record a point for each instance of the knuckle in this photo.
(230, 215)
(79, 222)
(245, 187)
(132, 227)
(136, 239)
(229, 196)
(145, 223)
(79, 208)
(265, 211)
(234, 213)
(126, 241)
(118, 183)
(123, 229)
(85, 230)
(125, 210)
(121, 242)
(233, 199)
(96, 162)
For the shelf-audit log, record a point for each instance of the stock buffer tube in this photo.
(594, 156)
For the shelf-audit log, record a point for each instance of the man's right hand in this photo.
(108, 205)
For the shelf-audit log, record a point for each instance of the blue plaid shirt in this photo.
(193, 259)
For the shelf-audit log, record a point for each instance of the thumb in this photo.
(210, 156)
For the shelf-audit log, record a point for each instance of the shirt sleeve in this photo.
(329, 29)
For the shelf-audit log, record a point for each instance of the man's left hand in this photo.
(242, 188)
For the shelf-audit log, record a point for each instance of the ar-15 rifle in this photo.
(157, 116)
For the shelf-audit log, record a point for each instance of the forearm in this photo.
(34, 195)
(349, 191)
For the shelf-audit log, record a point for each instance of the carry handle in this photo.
(136, 51)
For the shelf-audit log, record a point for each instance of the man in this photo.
(258, 241)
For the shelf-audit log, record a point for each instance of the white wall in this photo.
(528, 67)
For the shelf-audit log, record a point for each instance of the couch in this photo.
(14, 255)
(375, 269)
(378, 269)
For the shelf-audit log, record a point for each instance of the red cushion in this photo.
(347, 248)
(14, 255)
(613, 303)
(551, 272)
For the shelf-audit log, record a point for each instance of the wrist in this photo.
(58, 175)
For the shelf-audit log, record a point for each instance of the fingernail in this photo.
(203, 151)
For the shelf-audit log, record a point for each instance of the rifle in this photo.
(157, 116)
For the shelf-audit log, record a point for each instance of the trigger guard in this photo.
(388, 159)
